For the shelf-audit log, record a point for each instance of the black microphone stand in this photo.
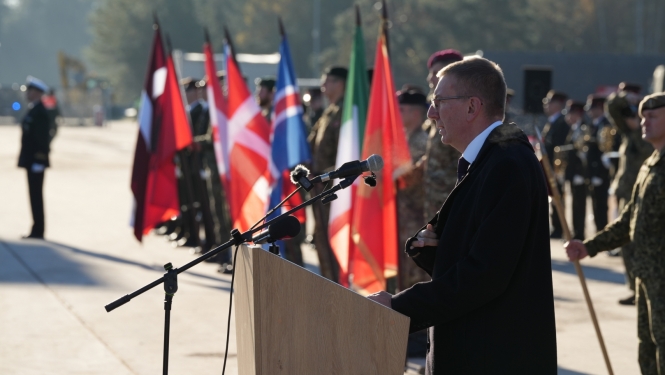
(170, 278)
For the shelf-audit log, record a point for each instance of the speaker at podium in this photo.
(292, 321)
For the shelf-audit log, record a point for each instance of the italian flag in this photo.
(351, 133)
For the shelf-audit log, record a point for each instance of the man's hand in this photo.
(575, 250)
(382, 297)
(426, 237)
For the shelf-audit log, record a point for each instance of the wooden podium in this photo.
(292, 321)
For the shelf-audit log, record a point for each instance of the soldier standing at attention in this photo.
(35, 148)
(323, 141)
(265, 92)
(575, 172)
(413, 107)
(598, 172)
(641, 222)
(622, 110)
(440, 165)
(555, 134)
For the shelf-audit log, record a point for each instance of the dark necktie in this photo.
(462, 168)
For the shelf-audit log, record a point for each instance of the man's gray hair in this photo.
(481, 78)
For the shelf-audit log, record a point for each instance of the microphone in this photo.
(374, 163)
(287, 227)
(299, 177)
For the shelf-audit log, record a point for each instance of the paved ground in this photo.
(52, 292)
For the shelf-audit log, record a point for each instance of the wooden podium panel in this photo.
(292, 321)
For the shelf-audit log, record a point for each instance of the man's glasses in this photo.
(435, 101)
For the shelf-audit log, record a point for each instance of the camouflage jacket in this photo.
(633, 149)
(440, 173)
(324, 137)
(411, 190)
(642, 221)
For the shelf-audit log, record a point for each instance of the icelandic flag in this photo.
(289, 139)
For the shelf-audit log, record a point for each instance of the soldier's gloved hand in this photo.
(578, 180)
(426, 237)
(37, 168)
(575, 250)
(596, 181)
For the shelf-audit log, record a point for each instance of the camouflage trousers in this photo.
(651, 325)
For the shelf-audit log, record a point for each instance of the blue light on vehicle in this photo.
(16, 106)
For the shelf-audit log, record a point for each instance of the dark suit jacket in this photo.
(594, 154)
(36, 137)
(489, 306)
(555, 134)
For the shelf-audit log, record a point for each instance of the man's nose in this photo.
(432, 113)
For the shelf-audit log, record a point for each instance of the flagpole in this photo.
(227, 36)
(558, 206)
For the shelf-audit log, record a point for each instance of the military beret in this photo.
(337, 71)
(574, 106)
(268, 82)
(36, 83)
(447, 55)
(412, 97)
(188, 83)
(594, 100)
(555, 96)
(630, 87)
(652, 101)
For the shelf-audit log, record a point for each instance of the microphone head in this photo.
(287, 227)
(299, 172)
(375, 163)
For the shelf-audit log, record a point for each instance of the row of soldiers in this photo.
(581, 137)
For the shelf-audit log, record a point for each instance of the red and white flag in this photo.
(163, 130)
(248, 142)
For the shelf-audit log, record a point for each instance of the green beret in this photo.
(652, 101)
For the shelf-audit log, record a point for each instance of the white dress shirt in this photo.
(471, 152)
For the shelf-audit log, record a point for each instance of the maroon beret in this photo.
(448, 55)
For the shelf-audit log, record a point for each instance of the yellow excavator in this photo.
(83, 97)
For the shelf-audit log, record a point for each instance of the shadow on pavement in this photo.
(55, 263)
(563, 371)
(590, 272)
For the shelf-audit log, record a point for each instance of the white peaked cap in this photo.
(36, 83)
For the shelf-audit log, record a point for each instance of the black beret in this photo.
(630, 87)
(188, 83)
(652, 101)
(412, 97)
(574, 106)
(555, 96)
(594, 100)
(337, 71)
(268, 82)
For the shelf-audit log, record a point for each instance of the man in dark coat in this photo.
(35, 148)
(489, 307)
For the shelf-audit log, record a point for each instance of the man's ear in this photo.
(474, 108)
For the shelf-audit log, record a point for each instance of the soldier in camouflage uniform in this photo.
(410, 189)
(641, 222)
(440, 164)
(323, 141)
(622, 111)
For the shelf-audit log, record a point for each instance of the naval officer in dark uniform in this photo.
(35, 146)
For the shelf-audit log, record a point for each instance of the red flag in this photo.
(218, 120)
(153, 88)
(376, 249)
(163, 129)
(249, 136)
